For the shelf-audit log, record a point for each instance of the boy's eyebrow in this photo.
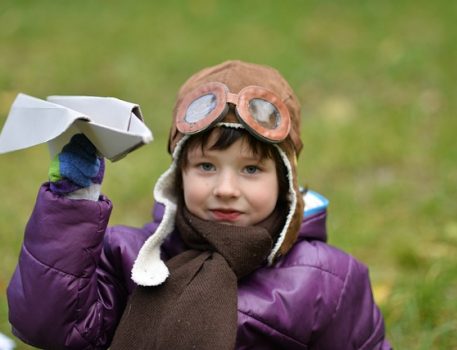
(208, 153)
(255, 157)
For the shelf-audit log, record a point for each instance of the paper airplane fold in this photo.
(114, 126)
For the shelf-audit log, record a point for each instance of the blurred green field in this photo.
(377, 80)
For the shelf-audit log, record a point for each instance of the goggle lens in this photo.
(265, 113)
(200, 108)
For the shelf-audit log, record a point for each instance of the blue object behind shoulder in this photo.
(314, 203)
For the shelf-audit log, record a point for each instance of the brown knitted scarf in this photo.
(196, 307)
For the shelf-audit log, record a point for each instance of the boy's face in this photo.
(231, 186)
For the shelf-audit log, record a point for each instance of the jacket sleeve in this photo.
(357, 322)
(62, 294)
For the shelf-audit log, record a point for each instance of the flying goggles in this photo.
(261, 111)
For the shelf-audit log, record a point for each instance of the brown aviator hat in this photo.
(236, 75)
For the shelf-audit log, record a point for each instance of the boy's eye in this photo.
(251, 169)
(206, 166)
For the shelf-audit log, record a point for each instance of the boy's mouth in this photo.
(225, 214)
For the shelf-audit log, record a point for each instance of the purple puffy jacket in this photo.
(73, 280)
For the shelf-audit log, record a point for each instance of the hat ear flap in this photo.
(297, 217)
(294, 226)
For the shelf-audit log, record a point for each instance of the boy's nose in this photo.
(226, 186)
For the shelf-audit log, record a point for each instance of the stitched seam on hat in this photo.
(288, 97)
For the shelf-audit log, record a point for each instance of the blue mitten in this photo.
(76, 166)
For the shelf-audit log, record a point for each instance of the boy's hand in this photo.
(76, 166)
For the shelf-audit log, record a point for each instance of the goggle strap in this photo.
(231, 125)
(231, 98)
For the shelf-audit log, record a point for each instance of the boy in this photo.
(230, 261)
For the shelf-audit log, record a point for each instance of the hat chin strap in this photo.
(148, 268)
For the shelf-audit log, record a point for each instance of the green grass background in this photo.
(377, 80)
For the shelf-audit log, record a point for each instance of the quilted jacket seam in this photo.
(53, 268)
(271, 327)
(295, 265)
(343, 288)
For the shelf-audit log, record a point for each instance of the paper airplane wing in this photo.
(32, 121)
(114, 126)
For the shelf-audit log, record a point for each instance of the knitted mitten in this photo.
(76, 167)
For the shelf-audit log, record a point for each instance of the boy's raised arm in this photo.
(61, 295)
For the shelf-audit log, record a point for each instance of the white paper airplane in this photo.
(114, 126)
